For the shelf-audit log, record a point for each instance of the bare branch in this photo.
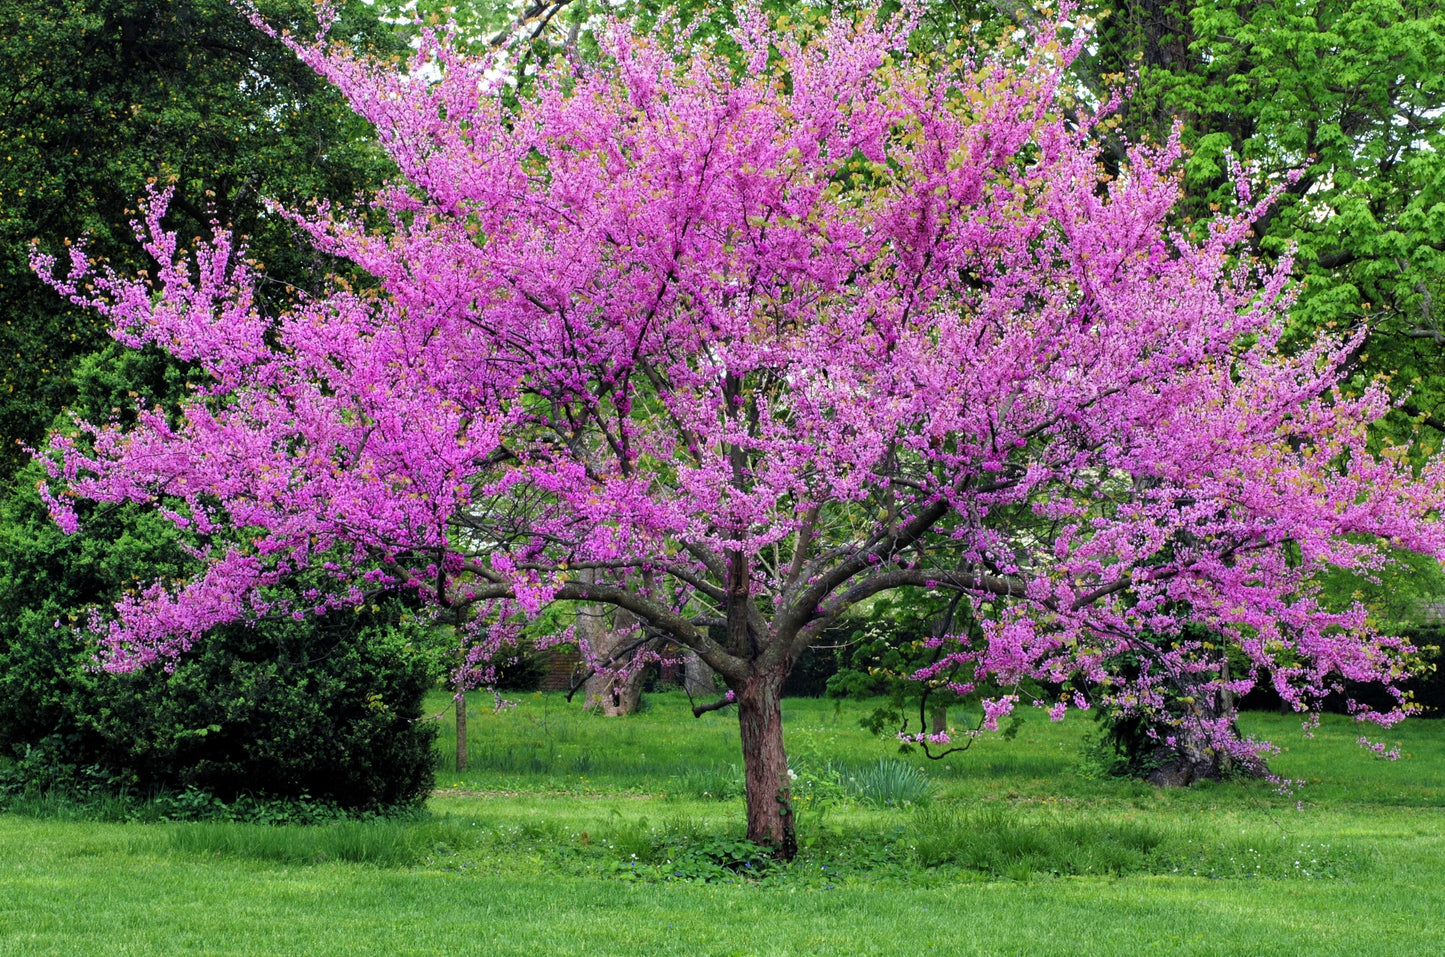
(698, 710)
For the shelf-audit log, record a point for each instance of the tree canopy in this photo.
(737, 339)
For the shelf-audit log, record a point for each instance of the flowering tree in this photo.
(735, 342)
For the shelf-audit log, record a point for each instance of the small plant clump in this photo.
(890, 782)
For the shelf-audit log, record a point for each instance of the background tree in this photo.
(741, 343)
(1347, 94)
(885, 646)
(100, 97)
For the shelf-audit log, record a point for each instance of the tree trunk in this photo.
(939, 714)
(605, 691)
(1192, 758)
(620, 694)
(461, 730)
(765, 764)
(697, 676)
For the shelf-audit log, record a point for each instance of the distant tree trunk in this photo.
(697, 675)
(765, 763)
(610, 693)
(461, 729)
(939, 714)
(460, 689)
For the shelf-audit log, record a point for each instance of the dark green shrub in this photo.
(325, 707)
(810, 676)
(333, 716)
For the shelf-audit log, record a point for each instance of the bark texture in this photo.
(1191, 758)
(765, 763)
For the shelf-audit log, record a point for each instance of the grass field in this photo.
(574, 834)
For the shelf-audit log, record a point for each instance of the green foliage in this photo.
(281, 711)
(888, 644)
(196, 805)
(1405, 596)
(98, 98)
(47, 581)
(284, 712)
(1344, 93)
(818, 785)
(717, 860)
(41, 771)
(885, 644)
(813, 671)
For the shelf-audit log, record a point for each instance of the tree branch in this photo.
(698, 710)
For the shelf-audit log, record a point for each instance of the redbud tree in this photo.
(736, 336)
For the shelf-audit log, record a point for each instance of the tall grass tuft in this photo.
(711, 782)
(890, 783)
(1005, 843)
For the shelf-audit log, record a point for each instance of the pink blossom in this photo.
(993, 709)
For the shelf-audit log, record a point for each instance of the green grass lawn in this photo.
(573, 834)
